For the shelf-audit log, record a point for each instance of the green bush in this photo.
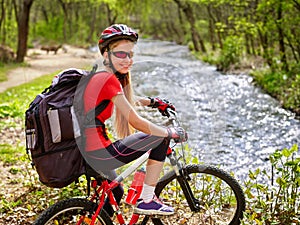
(49, 30)
(231, 52)
(278, 200)
(284, 86)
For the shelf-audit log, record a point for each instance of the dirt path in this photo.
(40, 63)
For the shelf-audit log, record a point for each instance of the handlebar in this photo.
(171, 112)
(172, 117)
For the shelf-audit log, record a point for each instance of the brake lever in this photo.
(173, 117)
(175, 122)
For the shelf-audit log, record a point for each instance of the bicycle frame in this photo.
(106, 188)
(106, 191)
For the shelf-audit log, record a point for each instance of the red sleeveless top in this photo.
(102, 86)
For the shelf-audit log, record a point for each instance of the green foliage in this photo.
(267, 28)
(285, 86)
(49, 30)
(278, 200)
(11, 154)
(9, 27)
(231, 52)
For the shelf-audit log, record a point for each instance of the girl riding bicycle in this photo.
(116, 45)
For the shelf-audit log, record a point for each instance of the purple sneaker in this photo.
(154, 207)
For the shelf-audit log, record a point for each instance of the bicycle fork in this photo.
(183, 178)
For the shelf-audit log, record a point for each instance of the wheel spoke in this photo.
(70, 212)
(220, 198)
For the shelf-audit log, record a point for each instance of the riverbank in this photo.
(285, 87)
(281, 85)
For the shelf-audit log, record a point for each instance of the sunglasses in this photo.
(122, 54)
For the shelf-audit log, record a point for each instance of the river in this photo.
(230, 121)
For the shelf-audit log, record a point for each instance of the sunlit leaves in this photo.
(275, 202)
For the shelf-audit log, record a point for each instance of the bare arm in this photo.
(137, 121)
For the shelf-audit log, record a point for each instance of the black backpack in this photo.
(54, 125)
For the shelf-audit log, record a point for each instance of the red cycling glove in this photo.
(161, 105)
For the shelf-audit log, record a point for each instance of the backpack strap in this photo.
(92, 121)
(91, 115)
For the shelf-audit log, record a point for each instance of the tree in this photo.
(22, 12)
(187, 8)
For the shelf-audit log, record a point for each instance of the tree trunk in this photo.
(2, 16)
(294, 46)
(196, 38)
(182, 28)
(66, 18)
(265, 46)
(110, 18)
(281, 38)
(93, 24)
(212, 22)
(23, 27)
(2, 24)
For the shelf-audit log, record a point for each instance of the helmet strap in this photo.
(105, 63)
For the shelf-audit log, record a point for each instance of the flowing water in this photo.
(230, 122)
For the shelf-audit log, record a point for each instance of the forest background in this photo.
(231, 34)
(260, 37)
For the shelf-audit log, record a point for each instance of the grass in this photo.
(11, 154)
(13, 104)
(15, 101)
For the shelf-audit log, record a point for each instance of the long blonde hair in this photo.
(121, 125)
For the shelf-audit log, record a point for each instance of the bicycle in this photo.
(200, 194)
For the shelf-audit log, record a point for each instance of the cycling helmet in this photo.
(114, 33)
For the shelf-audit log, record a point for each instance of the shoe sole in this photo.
(152, 212)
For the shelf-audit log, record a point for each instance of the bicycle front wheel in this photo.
(71, 211)
(216, 196)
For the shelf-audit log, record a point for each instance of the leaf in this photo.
(280, 181)
(294, 148)
(275, 156)
(286, 152)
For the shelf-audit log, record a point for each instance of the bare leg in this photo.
(148, 204)
(153, 170)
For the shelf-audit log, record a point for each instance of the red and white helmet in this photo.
(116, 32)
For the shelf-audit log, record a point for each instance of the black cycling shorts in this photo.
(126, 150)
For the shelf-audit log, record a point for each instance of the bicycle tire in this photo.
(69, 211)
(208, 184)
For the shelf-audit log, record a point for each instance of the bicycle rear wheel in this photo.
(219, 197)
(68, 212)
